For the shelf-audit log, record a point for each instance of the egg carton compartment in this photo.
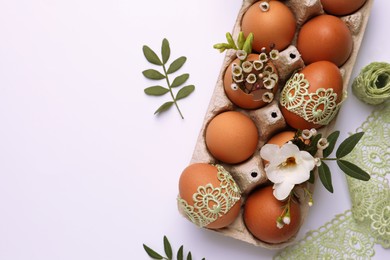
(269, 119)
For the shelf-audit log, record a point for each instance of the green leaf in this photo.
(312, 149)
(153, 254)
(248, 44)
(164, 107)
(185, 92)
(176, 64)
(156, 91)
(353, 170)
(179, 80)
(332, 139)
(221, 46)
(230, 41)
(348, 144)
(151, 56)
(189, 256)
(180, 253)
(165, 51)
(240, 40)
(325, 176)
(167, 248)
(153, 74)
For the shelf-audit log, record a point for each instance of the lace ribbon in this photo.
(353, 234)
(210, 203)
(372, 85)
(319, 107)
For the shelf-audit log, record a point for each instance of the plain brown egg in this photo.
(281, 138)
(231, 137)
(238, 96)
(201, 174)
(275, 27)
(261, 211)
(325, 37)
(341, 7)
(320, 74)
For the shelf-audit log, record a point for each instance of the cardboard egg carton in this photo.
(269, 119)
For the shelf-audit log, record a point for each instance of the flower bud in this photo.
(286, 220)
(317, 161)
(279, 223)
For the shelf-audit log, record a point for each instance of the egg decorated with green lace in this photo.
(312, 97)
(208, 195)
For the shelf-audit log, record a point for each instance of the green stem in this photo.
(170, 90)
(329, 159)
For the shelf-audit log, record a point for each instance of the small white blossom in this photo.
(274, 54)
(251, 78)
(287, 167)
(258, 65)
(236, 70)
(322, 143)
(247, 66)
(279, 224)
(310, 203)
(317, 161)
(306, 134)
(241, 54)
(263, 57)
(268, 97)
(313, 131)
(286, 220)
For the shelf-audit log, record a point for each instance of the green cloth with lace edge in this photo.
(372, 85)
(353, 234)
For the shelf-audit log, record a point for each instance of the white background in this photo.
(86, 170)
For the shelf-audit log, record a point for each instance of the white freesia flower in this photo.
(287, 166)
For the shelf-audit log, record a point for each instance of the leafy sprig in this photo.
(152, 74)
(242, 43)
(168, 252)
(311, 145)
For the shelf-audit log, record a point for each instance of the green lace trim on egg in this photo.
(210, 203)
(319, 107)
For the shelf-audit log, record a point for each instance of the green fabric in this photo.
(372, 85)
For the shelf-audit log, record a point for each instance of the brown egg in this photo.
(231, 137)
(281, 138)
(258, 97)
(341, 7)
(325, 37)
(261, 211)
(209, 196)
(272, 24)
(311, 98)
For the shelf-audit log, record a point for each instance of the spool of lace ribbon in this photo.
(372, 85)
